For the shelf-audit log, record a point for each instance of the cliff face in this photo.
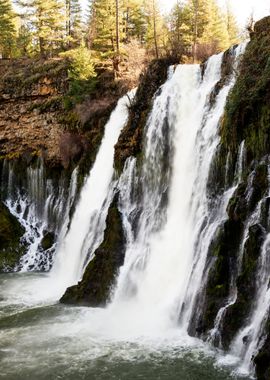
(42, 116)
(235, 254)
(30, 95)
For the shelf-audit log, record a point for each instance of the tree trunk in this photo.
(117, 27)
(195, 32)
(42, 47)
(155, 28)
(117, 57)
(68, 20)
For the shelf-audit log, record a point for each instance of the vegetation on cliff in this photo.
(230, 261)
(247, 115)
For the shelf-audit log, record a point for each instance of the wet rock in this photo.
(262, 359)
(130, 141)
(100, 275)
(11, 232)
(246, 286)
(222, 263)
(48, 240)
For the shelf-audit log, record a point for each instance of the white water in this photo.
(88, 223)
(165, 259)
(39, 208)
(168, 219)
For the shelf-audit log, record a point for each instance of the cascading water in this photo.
(166, 257)
(39, 206)
(88, 223)
(169, 222)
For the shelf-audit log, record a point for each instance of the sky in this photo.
(242, 8)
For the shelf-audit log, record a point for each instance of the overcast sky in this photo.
(241, 8)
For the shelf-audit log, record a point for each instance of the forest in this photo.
(111, 31)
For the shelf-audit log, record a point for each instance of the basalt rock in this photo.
(246, 286)
(130, 141)
(100, 275)
(262, 360)
(11, 232)
(222, 263)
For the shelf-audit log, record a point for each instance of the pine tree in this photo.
(7, 28)
(102, 26)
(24, 41)
(135, 20)
(208, 28)
(215, 35)
(198, 11)
(47, 20)
(74, 24)
(232, 27)
(180, 36)
(156, 30)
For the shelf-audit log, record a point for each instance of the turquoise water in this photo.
(41, 340)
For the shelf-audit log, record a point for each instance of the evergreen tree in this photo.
(135, 20)
(180, 36)
(215, 36)
(232, 27)
(47, 19)
(198, 20)
(102, 26)
(74, 24)
(156, 30)
(208, 28)
(7, 28)
(24, 41)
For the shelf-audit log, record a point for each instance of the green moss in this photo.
(53, 104)
(247, 113)
(70, 120)
(11, 232)
(99, 278)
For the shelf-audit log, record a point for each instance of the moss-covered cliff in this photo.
(247, 114)
(233, 257)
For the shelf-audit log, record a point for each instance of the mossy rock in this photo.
(259, 185)
(222, 258)
(246, 286)
(100, 275)
(247, 114)
(237, 207)
(11, 232)
(48, 240)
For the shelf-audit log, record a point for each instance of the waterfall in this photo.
(88, 223)
(249, 340)
(39, 205)
(168, 218)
